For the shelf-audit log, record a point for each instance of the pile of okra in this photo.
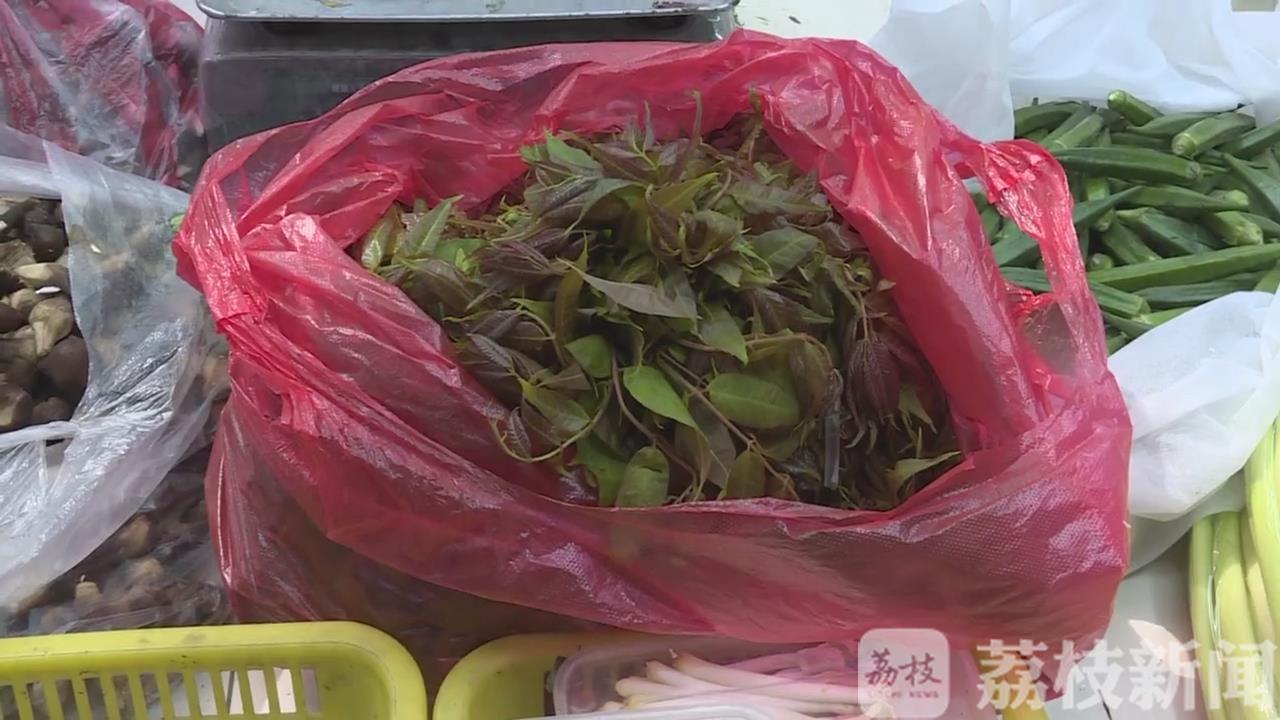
(1172, 210)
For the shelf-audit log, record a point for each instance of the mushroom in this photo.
(19, 372)
(19, 344)
(87, 594)
(42, 275)
(52, 409)
(47, 242)
(15, 407)
(15, 212)
(134, 539)
(142, 572)
(11, 319)
(13, 254)
(23, 299)
(40, 214)
(67, 367)
(52, 320)
(55, 619)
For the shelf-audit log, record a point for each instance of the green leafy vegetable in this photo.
(645, 479)
(563, 412)
(719, 330)
(650, 388)
(747, 477)
(594, 354)
(605, 466)
(783, 249)
(754, 402)
(677, 320)
(644, 299)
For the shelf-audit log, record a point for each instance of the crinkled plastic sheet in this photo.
(114, 80)
(976, 60)
(355, 455)
(1203, 387)
(153, 375)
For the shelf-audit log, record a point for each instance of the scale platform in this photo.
(266, 63)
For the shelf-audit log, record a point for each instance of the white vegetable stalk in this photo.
(692, 681)
(767, 685)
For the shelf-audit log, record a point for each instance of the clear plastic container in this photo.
(587, 679)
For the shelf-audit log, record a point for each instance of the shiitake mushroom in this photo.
(43, 362)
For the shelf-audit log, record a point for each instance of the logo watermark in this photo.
(916, 674)
(908, 670)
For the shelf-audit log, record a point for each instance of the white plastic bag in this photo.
(1201, 391)
(1176, 54)
(956, 53)
(152, 374)
(1202, 388)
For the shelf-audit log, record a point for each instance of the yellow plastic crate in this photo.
(506, 679)
(317, 671)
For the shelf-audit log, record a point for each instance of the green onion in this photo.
(1263, 508)
(1259, 608)
(1203, 624)
(1236, 624)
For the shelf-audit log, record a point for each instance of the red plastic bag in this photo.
(355, 455)
(114, 80)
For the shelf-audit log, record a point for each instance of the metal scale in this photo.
(270, 62)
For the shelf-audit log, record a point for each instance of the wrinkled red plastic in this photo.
(114, 80)
(353, 436)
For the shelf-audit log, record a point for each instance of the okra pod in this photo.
(1168, 235)
(1254, 142)
(1130, 163)
(1077, 117)
(1115, 341)
(1077, 135)
(1099, 189)
(1120, 303)
(1045, 115)
(1143, 141)
(1211, 132)
(1014, 247)
(1234, 228)
(1100, 261)
(1270, 280)
(1272, 160)
(1262, 188)
(990, 222)
(1182, 201)
(1126, 247)
(1132, 327)
(1088, 212)
(1166, 126)
(1270, 228)
(1132, 108)
(1191, 294)
(1192, 268)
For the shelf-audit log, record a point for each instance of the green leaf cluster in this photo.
(676, 321)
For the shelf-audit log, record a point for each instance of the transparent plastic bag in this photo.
(114, 80)
(157, 570)
(153, 372)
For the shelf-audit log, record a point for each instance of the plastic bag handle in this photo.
(1028, 186)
